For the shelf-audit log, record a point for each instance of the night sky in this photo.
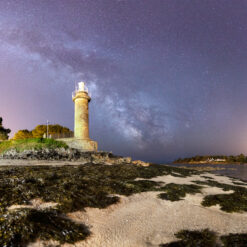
(168, 78)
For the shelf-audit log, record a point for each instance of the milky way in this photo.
(168, 79)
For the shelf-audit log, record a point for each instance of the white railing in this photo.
(83, 88)
(77, 90)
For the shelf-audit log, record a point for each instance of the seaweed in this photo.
(207, 177)
(212, 183)
(23, 226)
(73, 188)
(233, 202)
(239, 183)
(175, 192)
(18, 185)
(244, 182)
(207, 238)
(234, 240)
(203, 238)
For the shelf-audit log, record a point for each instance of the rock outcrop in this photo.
(140, 163)
(66, 155)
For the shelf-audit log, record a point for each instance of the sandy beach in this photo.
(145, 220)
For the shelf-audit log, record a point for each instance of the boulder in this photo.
(140, 163)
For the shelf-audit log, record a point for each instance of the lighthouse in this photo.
(81, 100)
(81, 138)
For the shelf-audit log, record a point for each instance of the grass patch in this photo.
(176, 192)
(204, 238)
(73, 188)
(33, 143)
(234, 202)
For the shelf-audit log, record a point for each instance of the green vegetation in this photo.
(233, 202)
(234, 240)
(73, 188)
(76, 187)
(4, 133)
(214, 158)
(24, 226)
(40, 130)
(207, 238)
(23, 134)
(175, 192)
(204, 238)
(27, 144)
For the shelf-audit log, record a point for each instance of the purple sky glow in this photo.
(168, 78)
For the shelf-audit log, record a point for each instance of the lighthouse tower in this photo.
(81, 125)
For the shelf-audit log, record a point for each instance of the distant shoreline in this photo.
(207, 163)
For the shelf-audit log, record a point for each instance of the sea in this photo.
(231, 170)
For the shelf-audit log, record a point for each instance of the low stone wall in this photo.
(66, 155)
(85, 145)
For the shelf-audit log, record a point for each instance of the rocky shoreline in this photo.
(69, 154)
(62, 154)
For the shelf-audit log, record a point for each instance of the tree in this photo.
(23, 134)
(58, 129)
(4, 133)
(241, 158)
(40, 130)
